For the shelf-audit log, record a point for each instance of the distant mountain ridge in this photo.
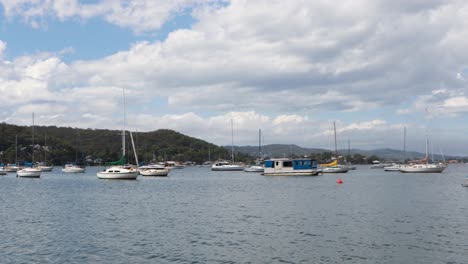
(386, 154)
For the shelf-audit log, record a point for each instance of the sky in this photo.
(289, 68)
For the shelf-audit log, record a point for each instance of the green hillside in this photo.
(66, 144)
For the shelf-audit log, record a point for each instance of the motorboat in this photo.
(12, 168)
(254, 168)
(378, 165)
(29, 173)
(174, 165)
(73, 168)
(154, 170)
(393, 167)
(2, 171)
(126, 172)
(226, 166)
(44, 167)
(291, 167)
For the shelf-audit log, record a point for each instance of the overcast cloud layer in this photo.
(288, 67)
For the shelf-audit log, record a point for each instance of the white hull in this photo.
(3, 172)
(154, 172)
(46, 168)
(12, 168)
(254, 169)
(73, 170)
(227, 168)
(29, 173)
(118, 175)
(392, 168)
(422, 168)
(338, 169)
(293, 173)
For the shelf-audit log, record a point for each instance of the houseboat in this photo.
(291, 167)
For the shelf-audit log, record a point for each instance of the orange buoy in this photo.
(339, 181)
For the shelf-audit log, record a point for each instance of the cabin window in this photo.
(287, 164)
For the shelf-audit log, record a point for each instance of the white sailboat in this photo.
(334, 166)
(423, 166)
(74, 167)
(30, 172)
(14, 167)
(258, 167)
(222, 165)
(121, 171)
(43, 165)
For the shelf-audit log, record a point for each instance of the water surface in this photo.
(199, 216)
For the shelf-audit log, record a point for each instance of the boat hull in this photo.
(254, 169)
(73, 170)
(435, 169)
(226, 168)
(152, 172)
(118, 175)
(29, 173)
(46, 168)
(3, 172)
(335, 170)
(292, 173)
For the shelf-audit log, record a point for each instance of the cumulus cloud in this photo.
(301, 62)
(140, 16)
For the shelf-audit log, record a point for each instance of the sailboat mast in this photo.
(123, 130)
(259, 145)
(232, 141)
(33, 139)
(336, 148)
(16, 150)
(427, 151)
(404, 144)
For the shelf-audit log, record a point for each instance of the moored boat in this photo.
(154, 170)
(291, 167)
(73, 168)
(29, 173)
(393, 167)
(223, 165)
(118, 169)
(254, 168)
(124, 172)
(423, 166)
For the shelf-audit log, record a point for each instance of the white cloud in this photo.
(140, 16)
(3, 46)
(288, 66)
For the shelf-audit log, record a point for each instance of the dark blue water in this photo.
(199, 216)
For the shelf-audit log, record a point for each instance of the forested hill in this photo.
(65, 144)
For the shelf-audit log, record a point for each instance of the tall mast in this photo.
(259, 145)
(123, 130)
(33, 138)
(336, 148)
(16, 150)
(232, 141)
(404, 144)
(427, 152)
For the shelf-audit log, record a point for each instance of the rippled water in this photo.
(199, 216)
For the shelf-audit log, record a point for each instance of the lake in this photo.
(199, 216)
